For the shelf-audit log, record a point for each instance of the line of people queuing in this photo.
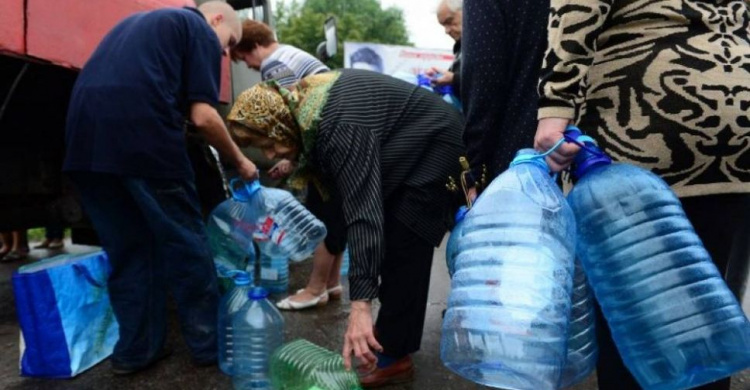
(662, 85)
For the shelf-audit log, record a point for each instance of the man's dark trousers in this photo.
(155, 238)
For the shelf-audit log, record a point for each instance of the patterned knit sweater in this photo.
(664, 84)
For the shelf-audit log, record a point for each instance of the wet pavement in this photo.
(324, 326)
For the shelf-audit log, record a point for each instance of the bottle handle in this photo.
(242, 191)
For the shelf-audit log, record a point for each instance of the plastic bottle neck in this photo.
(243, 191)
(530, 156)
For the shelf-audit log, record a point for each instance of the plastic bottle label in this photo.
(270, 231)
(269, 274)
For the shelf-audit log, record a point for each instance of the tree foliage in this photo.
(301, 24)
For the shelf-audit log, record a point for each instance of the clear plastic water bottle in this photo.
(229, 305)
(675, 322)
(231, 251)
(273, 218)
(345, 263)
(258, 330)
(507, 320)
(274, 273)
(583, 350)
(302, 365)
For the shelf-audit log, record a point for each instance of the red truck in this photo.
(43, 44)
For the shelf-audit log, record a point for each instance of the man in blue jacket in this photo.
(126, 154)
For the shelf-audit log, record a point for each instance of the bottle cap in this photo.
(241, 278)
(461, 213)
(243, 191)
(589, 156)
(257, 293)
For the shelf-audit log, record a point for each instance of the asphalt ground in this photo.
(324, 326)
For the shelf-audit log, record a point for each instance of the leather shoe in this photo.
(400, 371)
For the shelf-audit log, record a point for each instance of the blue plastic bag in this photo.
(67, 323)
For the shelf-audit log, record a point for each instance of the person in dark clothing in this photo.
(450, 16)
(503, 48)
(126, 154)
(384, 149)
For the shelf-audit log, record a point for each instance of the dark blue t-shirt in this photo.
(130, 102)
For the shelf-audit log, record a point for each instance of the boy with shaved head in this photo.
(126, 154)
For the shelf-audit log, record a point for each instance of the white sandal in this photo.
(288, 304)
(335, 292)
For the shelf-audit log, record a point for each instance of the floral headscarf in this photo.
(290, 117)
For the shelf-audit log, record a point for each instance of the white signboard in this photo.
(392, 60)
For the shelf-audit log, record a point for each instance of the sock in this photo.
(385, 361)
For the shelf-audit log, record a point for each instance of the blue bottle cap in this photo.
(589, 156)
(241, 278)
(461, 213)
(257, 293)
(243, 191)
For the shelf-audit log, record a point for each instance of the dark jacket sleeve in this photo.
(350, 156)
(482, 62)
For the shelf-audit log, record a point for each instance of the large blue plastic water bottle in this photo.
(672, 317)
(258, 330)
(274, 273)
(507, 320)
(272, 218)
(229, 305)
(583, 350)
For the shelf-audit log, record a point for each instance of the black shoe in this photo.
(122, 370)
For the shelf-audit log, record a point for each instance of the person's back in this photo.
(287, 64)
(129, 104)
(416, 129)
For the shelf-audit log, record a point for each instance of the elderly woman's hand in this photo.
(359, 337)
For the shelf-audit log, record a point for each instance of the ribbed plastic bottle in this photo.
(229, 305)
(273, 218)
(231, 251)
(274, 273)
(675, 322)
(345, 263)
(507, 320)
(258, 330)
(583, 350)
(302, 365)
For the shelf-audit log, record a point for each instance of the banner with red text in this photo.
(392, 59)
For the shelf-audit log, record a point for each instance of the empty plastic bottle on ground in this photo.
(345, 263)
(582, 347)
(302, 365)
(229, 305)
(674, 320)
(258, 330)
(272, 218)
(274, 273)
(507, 320)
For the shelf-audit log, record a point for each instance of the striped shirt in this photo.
(386, 146)
(288, 64)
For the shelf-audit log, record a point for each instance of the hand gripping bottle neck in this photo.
(590, 155)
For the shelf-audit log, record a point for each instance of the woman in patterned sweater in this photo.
(663, 84)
